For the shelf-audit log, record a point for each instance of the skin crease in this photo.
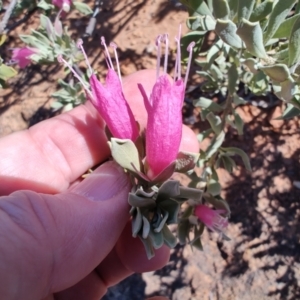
(64, 238)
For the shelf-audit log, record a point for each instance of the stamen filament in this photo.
(190, 50)
(110, 65)
(166, 52)
(114, 46)
(79, 45)
(158, 44)
(62, 60)
(178, 56)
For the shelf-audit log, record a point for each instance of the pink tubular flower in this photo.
(62, 4)
(112, 106)
(22, 55)
(164, 126)
(109, 99)
(211, 218)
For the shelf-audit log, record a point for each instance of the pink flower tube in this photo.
(164, 126)
(22, 56)
(211, 218)
(112, 106)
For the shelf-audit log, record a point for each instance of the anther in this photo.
(177, 74)
(80, 46)
(114, 46)
(190, 50)
(166, 40)
(63, 61)
(110, 64)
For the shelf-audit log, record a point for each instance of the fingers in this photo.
(54, 153)
(116, 267)
(58, 240)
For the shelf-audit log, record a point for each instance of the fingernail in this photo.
(104, 183)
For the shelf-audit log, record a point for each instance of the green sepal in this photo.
(156, 238)
(137, 201)
(168, 189)
(137, 222)
(125, 154)
(172, 207)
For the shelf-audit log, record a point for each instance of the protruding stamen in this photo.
(110, 65)
(166, 40)
(158, 44)
(190, 50)
(177, 74)
(63, 61)
(79, 45)
(114, 46)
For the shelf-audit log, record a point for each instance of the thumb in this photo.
(57, 240)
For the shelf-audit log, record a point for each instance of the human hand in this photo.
(62, 238)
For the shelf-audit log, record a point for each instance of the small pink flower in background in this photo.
(164, 126)
(211, 218)
(22, 56)
(63, 4)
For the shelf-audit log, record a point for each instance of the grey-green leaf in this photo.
(245, 8)
(221, 9)
(251, 34)
(125, 154)
(294, 43)
(241, 153)
(285, 28)
(156, 238)
(215, 122)
(208, 104)
(278, 72)
(278, 14)
(226, 30)
(233, 76)
(213, 188)
(239, 123)
(288, 89)
(83, 8)
(261, 11)
(290, 112)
